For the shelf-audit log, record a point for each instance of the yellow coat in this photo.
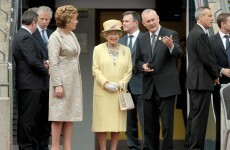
(107, 116)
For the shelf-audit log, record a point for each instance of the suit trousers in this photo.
(28, 109)
(197, 119)
(156, 108)
(132, 123)
(216, 104)
(43, 123)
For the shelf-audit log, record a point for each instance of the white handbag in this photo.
(125, 99)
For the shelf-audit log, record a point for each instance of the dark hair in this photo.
(222, 18)
(136, 16)
(35, 9)
(28, 17)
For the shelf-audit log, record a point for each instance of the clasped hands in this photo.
(112, 86)
(146, 68)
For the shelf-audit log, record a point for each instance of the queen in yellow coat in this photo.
(111, 66)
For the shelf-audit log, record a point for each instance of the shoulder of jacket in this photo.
(72, 33)
(100, 46)
(123, 46)
(123, 37)
(143, 35)
(167, 30)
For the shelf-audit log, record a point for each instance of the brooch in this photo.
(123, 52)
(160, 38)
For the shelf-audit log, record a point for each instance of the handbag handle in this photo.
(122, 86)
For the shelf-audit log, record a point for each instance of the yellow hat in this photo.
(111, 25)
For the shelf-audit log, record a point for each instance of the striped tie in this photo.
(227, 46)
(153, 41)
(43, 36)
(130, 41)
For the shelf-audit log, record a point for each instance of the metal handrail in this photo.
(5, 35)
(4, 56)
(4, 84)
(9, 84)
(215, 15)
(10, 80)
(5, 13)
(12, 17)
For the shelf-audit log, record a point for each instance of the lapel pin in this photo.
(160, 38)
(123, 52)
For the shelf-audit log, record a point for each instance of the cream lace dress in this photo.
(64, 51)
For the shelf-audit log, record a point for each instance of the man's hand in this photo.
(146, 68)
(225, 72)
(168, 41)
(46, 63)
(217, 81)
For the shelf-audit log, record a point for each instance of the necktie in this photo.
(153, 41)
(130, 41)
(227, 44)
(43, 36)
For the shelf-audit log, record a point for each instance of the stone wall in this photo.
(5, 138)
(5, 101)
(5, 15)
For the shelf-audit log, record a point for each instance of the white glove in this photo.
(110, 87)
(117, 85)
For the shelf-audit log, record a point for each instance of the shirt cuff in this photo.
(221, 72)
(171, 49)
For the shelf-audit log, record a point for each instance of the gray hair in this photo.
(45, 9)
(146, 11)
(200, 12)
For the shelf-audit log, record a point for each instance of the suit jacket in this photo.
(165, 77)
(30, 71)
(221, 56)
(43, 47)
(135, 83)
(44, 51)
(202, 69)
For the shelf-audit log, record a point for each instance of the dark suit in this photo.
(221, 56)
(44, 125)
(30, 73)
(202, 72)
(135, 87)
(159, 87)
(222, 62)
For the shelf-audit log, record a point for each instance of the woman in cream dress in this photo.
(65, 103)
(111, 66)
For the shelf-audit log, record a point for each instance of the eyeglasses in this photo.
(113, 33)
